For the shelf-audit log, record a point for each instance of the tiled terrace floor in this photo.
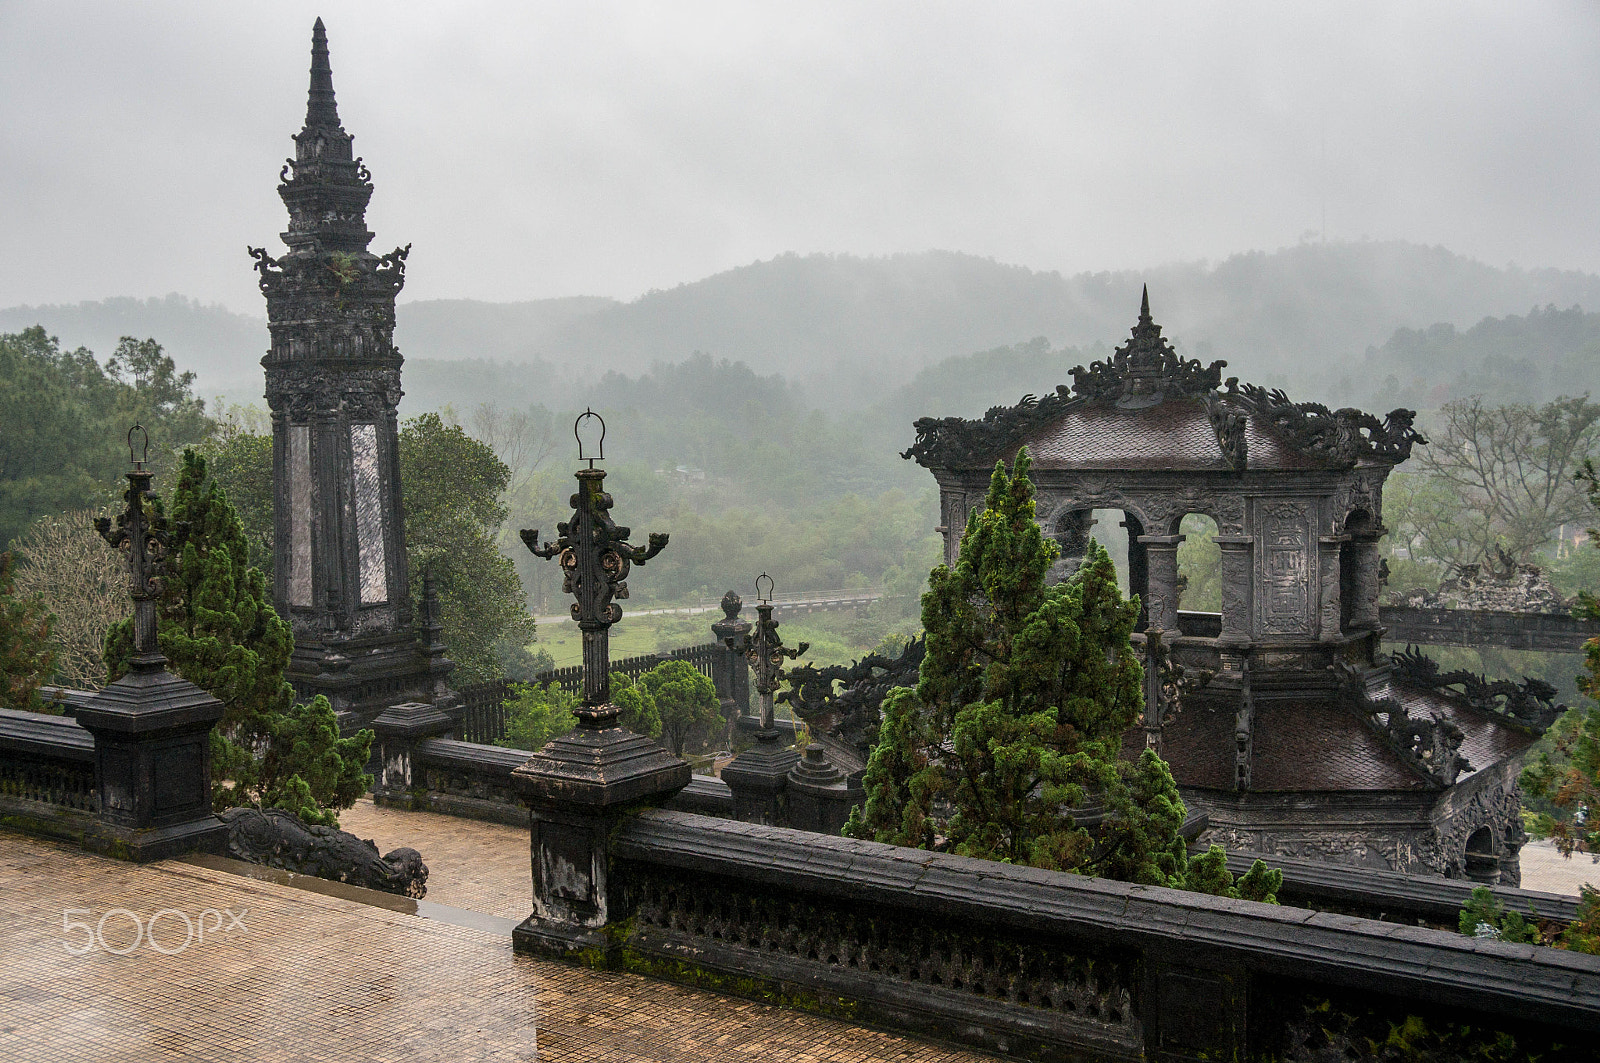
(315, 978)
(484, 867)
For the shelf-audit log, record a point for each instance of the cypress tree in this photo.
(218, 629)
(1018, 716)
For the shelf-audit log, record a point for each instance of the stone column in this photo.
(1238, 587)
(1329, 616)
(399, 730)
(1071, 535)
(729, 670)
(1161, 604)
(1364, 605)
(759, 776)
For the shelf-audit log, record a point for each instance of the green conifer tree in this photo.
(1018, 718)
(218, 630)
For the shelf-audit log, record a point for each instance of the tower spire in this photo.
(322, 112)
(1144, 303)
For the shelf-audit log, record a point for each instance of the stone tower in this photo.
(333, 382)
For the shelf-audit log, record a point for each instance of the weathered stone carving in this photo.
(1497, 584)
(1229, 426)
(1092, 988)
(852, 711)
(1145, 372)
(1530, 703)
(333, 385)
(275, 838)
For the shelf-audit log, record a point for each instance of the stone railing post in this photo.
(579, 786)
(759, 776)
(1330, 618)
(820, 795)
(399, 729)
(1161, 559)
(151, 728)
(1238, 587)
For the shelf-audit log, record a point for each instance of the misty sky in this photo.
(536, 150)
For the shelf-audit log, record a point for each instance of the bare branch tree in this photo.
(523, 439)
(85, 585)
(1502, 475)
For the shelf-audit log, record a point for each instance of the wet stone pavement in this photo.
(104, 961)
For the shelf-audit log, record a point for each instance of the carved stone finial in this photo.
(596, 558)
(322, 112)
(731, 604)
(144, 536)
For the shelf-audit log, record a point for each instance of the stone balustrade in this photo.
(1049, 965)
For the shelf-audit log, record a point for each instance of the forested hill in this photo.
(223, 349)
(1281, 314)
(852, 328)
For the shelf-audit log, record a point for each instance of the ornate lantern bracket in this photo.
(763, 647)
(144, 535)
(595, 559)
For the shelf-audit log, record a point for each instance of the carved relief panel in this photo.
(1284, 568)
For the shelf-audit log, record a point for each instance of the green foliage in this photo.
(639, 711)
(1200, 565)
(452, 486)
(26, 657)
(218, 630)
(66, 422)
(1498, 476)
(1565, 779)
(1485, 917)
(537, 715)
(684, 700)
(1583, 933)
(241, 462)
(1019, 714)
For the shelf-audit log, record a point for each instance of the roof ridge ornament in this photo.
(1145, 371)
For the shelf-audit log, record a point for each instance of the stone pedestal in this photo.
(820, 796)
(576, 789)
(398, 729)
(759, 778)
(152, 737)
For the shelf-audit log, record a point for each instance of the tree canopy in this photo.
(67, 418)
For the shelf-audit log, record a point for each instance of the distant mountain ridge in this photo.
(849, 327)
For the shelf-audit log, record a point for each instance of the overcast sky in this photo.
(536, 150)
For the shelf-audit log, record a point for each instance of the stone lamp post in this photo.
(151, 728)
(759, 775)
(579, 785)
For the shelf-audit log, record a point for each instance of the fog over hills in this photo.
(847, 328)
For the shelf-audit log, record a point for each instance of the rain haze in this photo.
(536, 151)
